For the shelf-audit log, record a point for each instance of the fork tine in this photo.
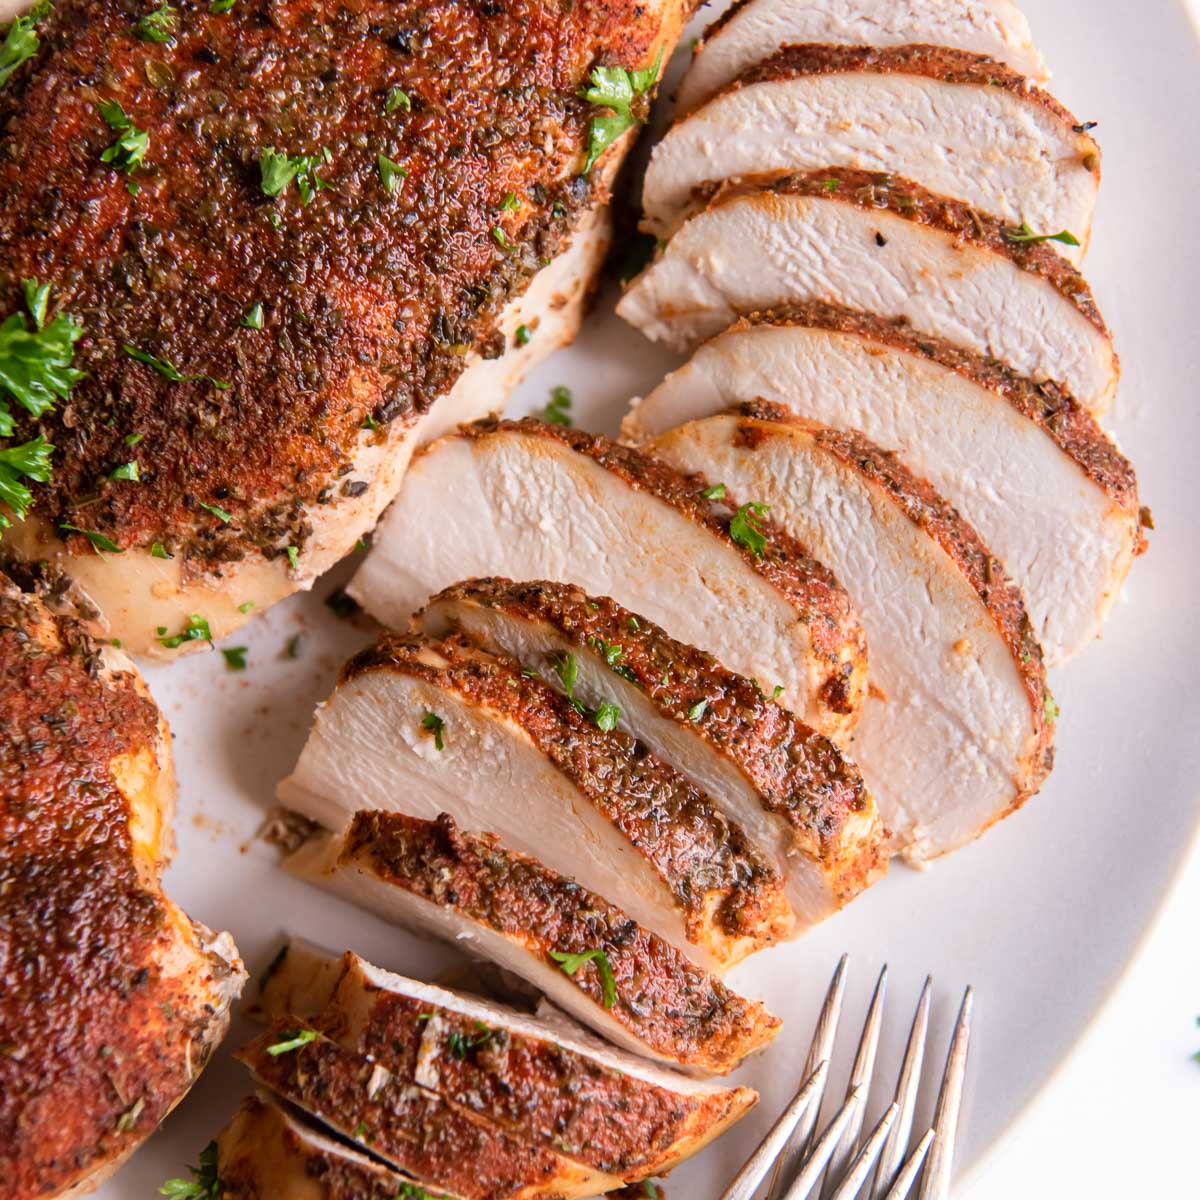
(935, 1183)
(821, 1050)
(908, 1172)
(814, 1165)
(745, 1184)
(860, 1168)
(906, 1097)
(861, 1075)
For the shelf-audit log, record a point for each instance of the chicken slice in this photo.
(111, 998)
(625, 982)
(958, 730)
(800, 803)
(1044, 486)
(269, 1152)
(540, 1085)
(444, 727)
(409, 1127)
(883, 245)
(752, 30)
(528, 500)
(957, 123)
(273, 296)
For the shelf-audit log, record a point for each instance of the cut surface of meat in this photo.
(444, 727)
(111, 998)
(1047, 490)
(799, 802)
(271, 297)
(753, 30)
(883, 245)
(625, 982)
(958, 730)
(527, 500)
(537, 1083)
(407, 1126)
(959, 124)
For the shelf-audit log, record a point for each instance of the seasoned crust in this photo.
(1047, 404)
(727, 893)
(922, 504)
(103, 1033)
(875, 191)
(799, 774)
(810, 587)
(665, 1001)
(379, 328)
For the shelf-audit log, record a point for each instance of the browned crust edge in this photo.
(926, 509)
(819, 600)
(675, 1008)
(731, 900)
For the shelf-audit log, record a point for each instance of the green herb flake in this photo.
(391, 174)
(196, 630)
(292, 1039)
(397, 98)
(252, 318)
(745, 530)
(461, 1044)
(245, 606)
(100, 543)
(615, 89)
(698, 710)
(501, 239)
(37, 300)
(129, 150)
(220, 7)
(510, 203)
(410, 1191)
(21, 41)
(360, 1131)
(715, 492)
(1022, 233)
(777, 691)
(157, 26)
(127, 471)
(1051, 709)
(204, 1183)
(570, 963)
(235, 657)
(169, 370)
(434, 724)
(217, 511)
(158, 550)
(567, 669)
(557, 412)
(293, 556)
(522, 336)
(277, 171)
(607, 716)
(132, 439)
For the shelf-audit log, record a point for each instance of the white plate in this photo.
(1043, 913)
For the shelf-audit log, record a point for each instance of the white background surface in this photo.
(1042, 915)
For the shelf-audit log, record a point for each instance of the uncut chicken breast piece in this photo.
(111, 998)
(265, 337)
(750, 31)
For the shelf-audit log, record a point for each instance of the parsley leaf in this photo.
(501, 239)
(744, 529)
(29, 460)
(1023, 233)
(391, 174)
(158, 26)
(715, 492)
(397, 98)
(293, 556)
(570, 963)
(169, 370)
(461, 1044)
(615, 88)
(607, 716)
(510, 203)
(278, 170)
(697, 710)
(567, 670)
(521, 337)
(37, 300)
(21, 41)
(1050, 706)
(293, 1039)
(435, 725)
(128, 151)
(35, 364)
(252, 318)
(158, 550)
(127, 471)
(100, 543)
(204, 1184)
(196, 630)
(235, 657)
(217, 7)
(217, 511)
(557, 411)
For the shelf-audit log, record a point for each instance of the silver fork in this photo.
(797, 1156)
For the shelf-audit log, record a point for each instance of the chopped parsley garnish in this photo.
(252, 318)
(217, 7)
(37, 300)
(293, 1039)
(567, 670)
(158, 26)
(21, 41)
(343, 604)
(235, 657)
(557, 412)
(715, 492)
(217, 511)
(1050, 706)
(501, 239)
(158, 550)
(1023, 233)
(100, 543)
(832, 185)
(204, 1183)
(196, 630)
(127, 471)
(279, 170)
(510, 203)
(169, 370)
(777, 691)
(293, 556)
(410, 1191)
(607, 716)
(612, 653)
(615, 88)
(397, 98)
(521, 337)
(461, 1044)
(697, 710)
(128, 151)
(30, 460)
(570, 963)
(132, 439)
(434, 724)
(245, 606)
(746, 531)
(391, 174)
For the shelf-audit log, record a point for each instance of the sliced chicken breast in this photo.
(443, 727)
(528, 500)
(800, 803)
(408, 1127)
(268, 1152)
(959, 124)
(540, 1085)
(1047, 490)
(958, 730)
(883, 245)
(753, 30)
(587, 955)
